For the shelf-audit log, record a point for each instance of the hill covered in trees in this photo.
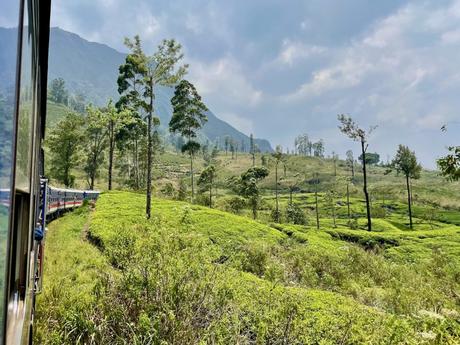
(90, 72)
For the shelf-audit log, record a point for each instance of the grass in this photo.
(72, 272)
(192, 274)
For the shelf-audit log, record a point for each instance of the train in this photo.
(27, 201)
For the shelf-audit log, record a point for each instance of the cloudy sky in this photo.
(278, 68)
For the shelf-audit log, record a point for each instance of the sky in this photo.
(279, 68)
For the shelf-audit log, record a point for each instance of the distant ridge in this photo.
(92, 68)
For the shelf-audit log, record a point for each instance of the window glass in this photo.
(25, 112)
(9, 16)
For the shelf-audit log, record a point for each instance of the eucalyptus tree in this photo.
(95, 142)
(335, 157)
(350, 161)
(130, 87)
(247, 186)
(252, 149)
(449, 165)
(318, 148)
(206, 180)
(64, 142)
(405, 162)
(188, 117)
(278, 156)
(351, 129)
(316, 181)
(331, 201)
(139, 77)
(116, 120)
(58, 92)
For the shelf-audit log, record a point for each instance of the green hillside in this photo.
(197, 275)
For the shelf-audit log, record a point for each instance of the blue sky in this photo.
(280, 68)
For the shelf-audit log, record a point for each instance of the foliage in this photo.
(235, 204)
(247, 186)
(295, 214)
(406, 162)
(191, 274)
(206, 180)
(450, 164)
(351, 129)
(58, 92)
(188, 117)
(95, 142)
(372, 158)
(168, 190)
(64, 142)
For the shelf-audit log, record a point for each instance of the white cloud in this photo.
(343, 75)
(225, 80)
(293, 51)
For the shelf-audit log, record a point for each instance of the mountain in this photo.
(91, 69)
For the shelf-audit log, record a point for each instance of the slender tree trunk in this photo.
(290, 195)
(148, 207)
(111, 150)
(210, 192)
(353, 169)
(409, 200)
(136, 164)
(316, 202)
(366, 194)
(191, 176)
(333, 212)
(276, 192)
(348, 201)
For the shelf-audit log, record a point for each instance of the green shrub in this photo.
(235, 204)
(295, 215)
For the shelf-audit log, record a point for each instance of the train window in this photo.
(9, 10)
(25, 129)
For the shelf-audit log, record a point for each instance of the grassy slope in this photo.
(265, 296)
(72, 269)
(256, 306)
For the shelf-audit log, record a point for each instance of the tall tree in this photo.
(335, 158)
(330, 200)
(96, 141)
(206, 180)
(57, 91)
(351, 129)
(131, 86)
(372, 158)
(64, 142)
(252, 149)
(351, 163)
(278, 156)
(227, 141)
(188, 117)
(405, 162)
(138, 80)
(248, 188)
(316, 182)
(318, 148)
(116, 120)
(450, 164)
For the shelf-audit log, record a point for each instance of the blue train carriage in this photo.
(54, 202)
(61, 200)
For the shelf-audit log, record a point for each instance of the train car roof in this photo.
(74, 190)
